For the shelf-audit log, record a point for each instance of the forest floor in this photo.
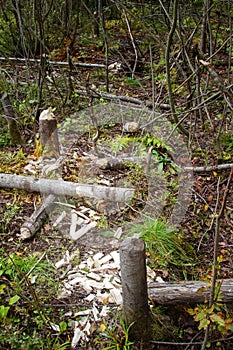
(48, 309)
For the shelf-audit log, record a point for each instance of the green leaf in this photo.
(217, 319)
(14, 299)
(201, 316)
(63, 326)
(2, 287)
(204, 324)
(4, 311)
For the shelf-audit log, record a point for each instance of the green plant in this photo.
(164, 244)
(7, 215)
(22, 297)
(119, 143)
(115, 337)
(227, 142)
(133, 82)
(215, 316)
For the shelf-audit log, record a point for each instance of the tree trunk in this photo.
(11, 120)
(134, 288)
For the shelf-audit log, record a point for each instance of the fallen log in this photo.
(36, 220)
(188, 292)
(66, 188)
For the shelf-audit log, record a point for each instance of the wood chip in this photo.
(116, 296)
(78, 234)
(94, 276)
(116, 257)
(105, 259)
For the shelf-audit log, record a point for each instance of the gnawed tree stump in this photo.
(11, 120)
(188, 292)
(134, 287)
(66, 188)
(48, 134)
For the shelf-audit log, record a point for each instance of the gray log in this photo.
(188, 292)
(36, 220)
(66, 188)
(134, 287)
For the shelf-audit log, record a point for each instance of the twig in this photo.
(199, 169)
(167, 61)
(53, 63)
(33, 267)
(133, 43)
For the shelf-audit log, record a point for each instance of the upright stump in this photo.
(134, 288)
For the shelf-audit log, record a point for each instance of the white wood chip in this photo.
(111, 266)
(78, 234)
(87, 328)
(95, 313)
(73, 275)
(116, 296)
(98, 256)
(86, 285)
(64, 261)
(94, 276)
(60, 218)
(107, 284)
(104, 311)
(90, 297)
(83, 216)
(116, 257)
(55, 327)
(105, 259)
(76, 280)
(77, 335)
(103, 297)
(65, 293)
(83, 313)
(82, 265)
(150, 272)
(73, 225)
(83, 321)
(160, 280)
(68, 286)
(90, 262)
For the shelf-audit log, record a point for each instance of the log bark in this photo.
(36, 220)
(66, 188)
(191, 292)
(134, 287)
(11, 120)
